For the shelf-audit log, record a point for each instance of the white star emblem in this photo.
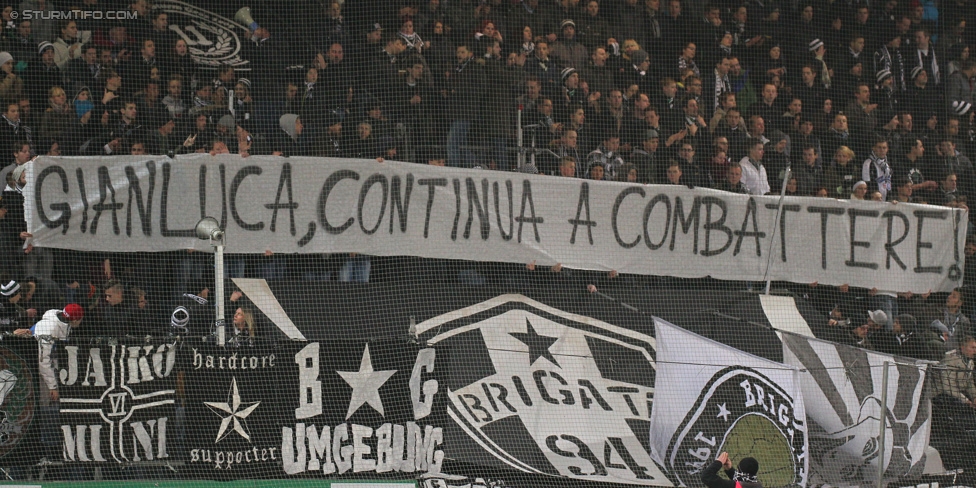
(723, 412)
(365, 385)
(237, 411)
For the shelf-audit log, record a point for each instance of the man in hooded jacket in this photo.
(743, 477)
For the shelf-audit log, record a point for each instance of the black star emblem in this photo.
(538, 344)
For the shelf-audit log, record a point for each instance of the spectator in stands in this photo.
(607, 155)
(179, 62)
(861, 117)
(912, 165)
(55, 325)
(13, 130)
(837, 135)
(68, 46)
(734, 129)
(693, 89)
(743, 477)
(859, 191)
(611, 115)
(948, 192)
(859, 336)
(541, 67)
(597, 73)
(915, 342)
(11, 318)
(754, 177)
(124, 131)
(138, 70)
(687, 126)
(673, 174)
(13, 227)
(173, 101)
(645, 158)
(12, 85)
(596, 170)
(959, 90)
(568, 52)
(163, 141)
(957, 55)
(904, 190)
(876, 170)
(567, 167)
(810, 91)
(757, 129)
(693, 171)
(733, 180)
(686, 59)
(923, 100)
(642, 118)
(244, 323)
(955, 392)
(83, 70)
(111, 312)
(888, 57)
(40, 294)
(789, 120)
(637, 72)
(587, 136)
(290, 141)
(463, 92)
(950, 160)
(923, 56)
(777, 158)
(770, 107)
(570, 92)
(726, 102)
(59, 117)
(21, 41)
(810, 175)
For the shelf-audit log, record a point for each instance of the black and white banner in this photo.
(117, 400)
(842, 388)
(703, 406)
(545, 392)
(360, 407)
(234, 409)
(20, 411)
(315, 205)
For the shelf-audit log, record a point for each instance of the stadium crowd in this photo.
(843, 99)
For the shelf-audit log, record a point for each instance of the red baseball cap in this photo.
(73, 312)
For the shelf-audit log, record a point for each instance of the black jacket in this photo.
(711, 479)
(465, 89)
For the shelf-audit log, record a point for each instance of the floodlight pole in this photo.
(219, 292)
(772, 239)
(208, 229)
(520, 157)
(884, 421)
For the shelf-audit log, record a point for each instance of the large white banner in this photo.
(321, 205)
(843, 386)
(703, 406)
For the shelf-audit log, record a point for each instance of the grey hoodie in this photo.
(287, 124)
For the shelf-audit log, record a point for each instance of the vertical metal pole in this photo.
(219, 292)
(884, 421)
(518, 134)
(772, 239)
(532, 156)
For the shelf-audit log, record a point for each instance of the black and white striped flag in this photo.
(845, 385)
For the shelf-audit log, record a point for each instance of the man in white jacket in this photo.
(754, 177)
(55, 325)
